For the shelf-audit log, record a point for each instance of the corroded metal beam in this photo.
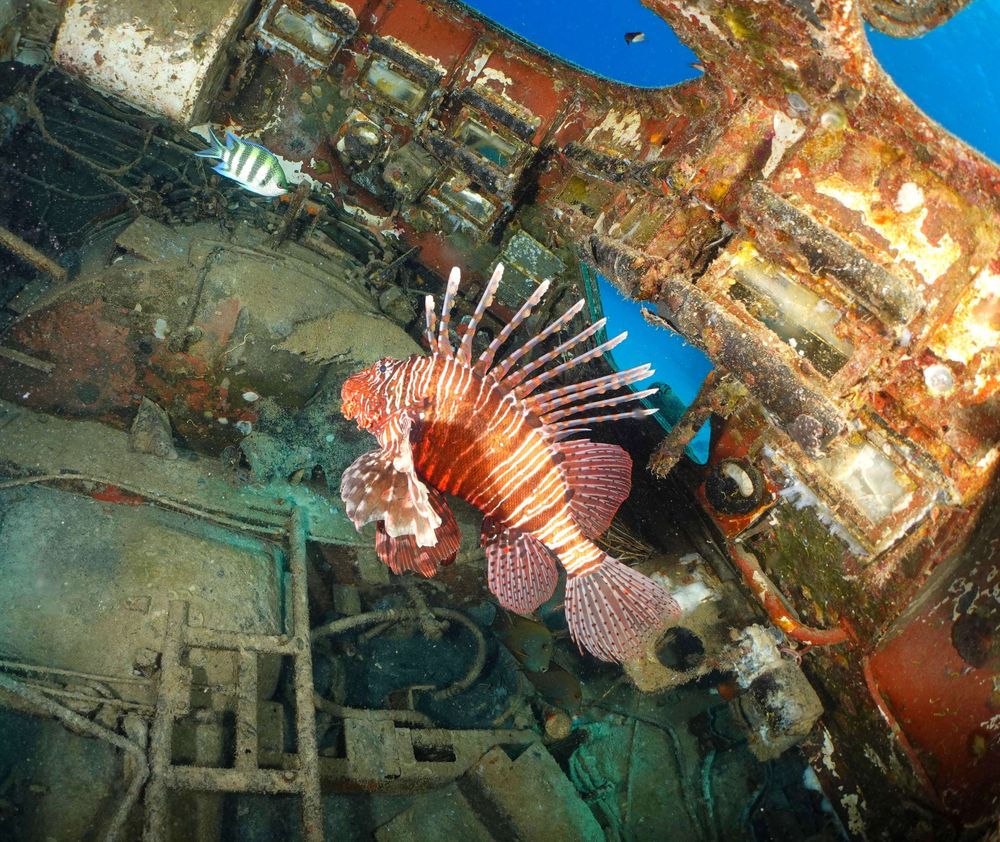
(808, 417)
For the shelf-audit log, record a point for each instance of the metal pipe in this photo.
(264, 781)
(773, 603)
(246, 711)
(305, 712)
(167, 698)
(394, 614)
(29, 253)
(407, 717)
(669, 451)
(810, 418)
(270, 644)
(81, 725)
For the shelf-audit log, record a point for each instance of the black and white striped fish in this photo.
(249, 164)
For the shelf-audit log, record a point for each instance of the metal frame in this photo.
(173, 698)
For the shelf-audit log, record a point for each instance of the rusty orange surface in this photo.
(948, 708)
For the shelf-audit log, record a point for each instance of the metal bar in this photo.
(916, 764)
(19, 666)
(801, 408)
(305, 714)
(207, 779)
(21, 358)
(171, 677)
(28, 252)
(265, 644)
(246, 776)
(246, 712)
(669, 451)
(774, 604)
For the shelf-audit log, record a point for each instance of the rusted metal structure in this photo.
(835, 253)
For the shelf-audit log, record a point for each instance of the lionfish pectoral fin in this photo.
(521, 572)
(402, 553)
(395, 432)
(600, 476)
(614, 611)
(383, 486)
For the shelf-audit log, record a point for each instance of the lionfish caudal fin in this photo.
(402, 553)
(383, 485)
(521, 572)
(556, 407)
(614, 611)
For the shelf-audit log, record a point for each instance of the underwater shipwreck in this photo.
(198, 643)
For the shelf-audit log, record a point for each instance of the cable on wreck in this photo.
(36, 114)
(393, 615)
(407, 717)
(81, 725)
(153, 497)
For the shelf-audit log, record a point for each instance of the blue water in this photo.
(677, 362)
(952, 73)
(591, 34)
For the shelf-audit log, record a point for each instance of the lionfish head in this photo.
(364, 396)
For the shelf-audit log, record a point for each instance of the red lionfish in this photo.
(448, 424)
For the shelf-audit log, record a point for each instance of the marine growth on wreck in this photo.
(335, 502)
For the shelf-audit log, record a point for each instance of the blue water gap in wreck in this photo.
(952, 73)
(680, 367)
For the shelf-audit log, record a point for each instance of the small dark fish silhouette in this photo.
(634, 37)
(528, 641)
(558, 687)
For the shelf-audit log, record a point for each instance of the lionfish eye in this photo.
(383, 368)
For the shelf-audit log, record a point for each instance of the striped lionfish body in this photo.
(448, 424)
(249, 164)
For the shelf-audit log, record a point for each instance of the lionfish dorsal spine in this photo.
(515, 378)
(486, 358)
(569, 424)
(501, 369)
(430, 316)
(555, 406)
(444, 338)
(557, 414)
(553, 398)
(527, 388)
(485, 301)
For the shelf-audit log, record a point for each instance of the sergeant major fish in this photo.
(249, 164)
(448, 424)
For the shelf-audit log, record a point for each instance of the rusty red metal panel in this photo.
(359, 7)
(425, 29)
(535, 87)
(938, 677)
(94, 371)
